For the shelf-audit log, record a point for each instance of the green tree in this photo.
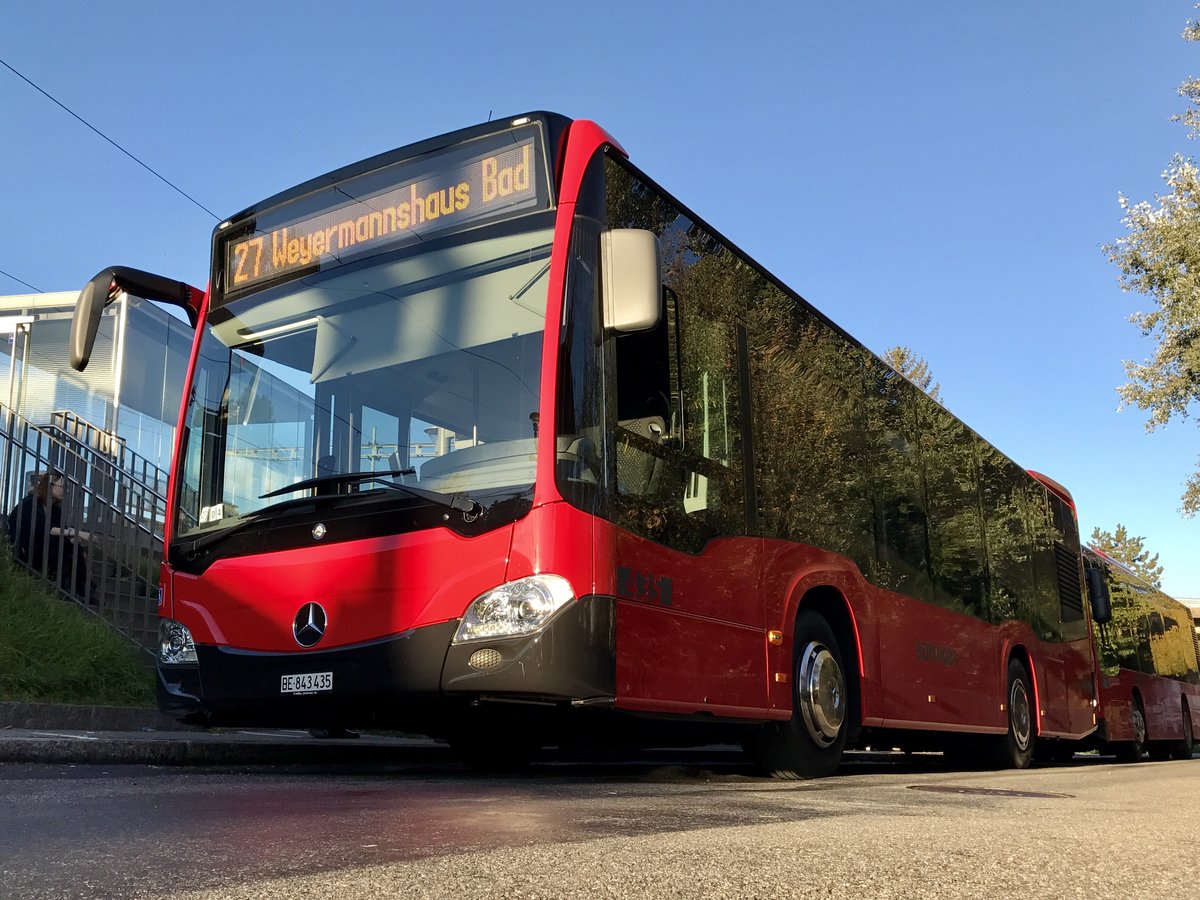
(1159, 257)
(1129, 550)
(914, 368)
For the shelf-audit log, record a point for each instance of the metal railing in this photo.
(80, 432)
(99, 541)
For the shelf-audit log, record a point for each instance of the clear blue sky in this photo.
(938, 174)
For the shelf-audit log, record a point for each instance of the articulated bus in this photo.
(1149, 664)
(493, 439)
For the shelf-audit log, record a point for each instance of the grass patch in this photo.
(53, 651)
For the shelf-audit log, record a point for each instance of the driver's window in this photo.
(678, 412)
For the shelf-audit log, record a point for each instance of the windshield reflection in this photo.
(428, 361)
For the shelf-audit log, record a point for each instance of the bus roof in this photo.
(1054, 487)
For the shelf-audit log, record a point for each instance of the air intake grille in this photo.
(1070, 589)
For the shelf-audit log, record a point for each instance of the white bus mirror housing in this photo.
(631, 275)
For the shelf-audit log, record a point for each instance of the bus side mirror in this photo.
(105, 287)
(631, 273)
(1098, 593)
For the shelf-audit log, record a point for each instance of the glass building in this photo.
(132, 386)
(109, 431)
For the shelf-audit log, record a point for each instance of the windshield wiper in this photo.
(192, 548)
(470, 509)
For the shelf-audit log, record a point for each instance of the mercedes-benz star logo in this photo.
(309, 625)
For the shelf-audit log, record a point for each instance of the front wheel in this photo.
(1015, 749)
(811, 743)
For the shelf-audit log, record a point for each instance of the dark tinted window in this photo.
(953, 504)
(1149, 631)
(902, 526)
(678, 405)
(811, 447)
(1007, 495)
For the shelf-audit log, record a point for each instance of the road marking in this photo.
(60, 734)
(988, 792)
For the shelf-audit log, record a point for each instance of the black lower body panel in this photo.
(417, 681)
(574, 658)
(382, 683)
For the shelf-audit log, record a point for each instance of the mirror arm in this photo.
(110, 282)
(155, 287)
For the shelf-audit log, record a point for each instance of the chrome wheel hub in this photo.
(821, 691)
(1139, 726)
(1020, 715)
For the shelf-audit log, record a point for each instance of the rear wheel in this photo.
(1183, 749)
(1131, 751)
(1015, 749)
(810, 744)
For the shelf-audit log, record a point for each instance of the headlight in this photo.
(175, 643)
(519, 607)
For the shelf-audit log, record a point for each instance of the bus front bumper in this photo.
(411, 681)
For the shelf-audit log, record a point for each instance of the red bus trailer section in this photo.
(490, 437)
(1149, 664)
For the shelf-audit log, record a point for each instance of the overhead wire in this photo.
(19, 281)
(75, 115)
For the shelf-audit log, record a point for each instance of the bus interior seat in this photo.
(638, 470)
(576, 457)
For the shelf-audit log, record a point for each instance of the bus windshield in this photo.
(424, 361)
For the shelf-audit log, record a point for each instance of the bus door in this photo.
(686, 573)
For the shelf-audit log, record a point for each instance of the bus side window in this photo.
(710, 417)
(902, 526)
(643, 409)
(677, 441)
(677, 437)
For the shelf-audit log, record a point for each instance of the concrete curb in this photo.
(105, 735)
(116, 748)
(86, 718)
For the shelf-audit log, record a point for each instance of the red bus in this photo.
(1149, 664)
(490, 437)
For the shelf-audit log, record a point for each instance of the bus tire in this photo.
(1183, 748)
(1131, 751)
(810, 744)
(1015, 749)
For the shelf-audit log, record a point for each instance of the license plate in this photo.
(308, 683)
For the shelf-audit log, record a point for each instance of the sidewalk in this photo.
(47, 733)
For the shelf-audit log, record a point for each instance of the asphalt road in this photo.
(701, 826)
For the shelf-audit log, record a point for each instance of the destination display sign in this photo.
(484, 185)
